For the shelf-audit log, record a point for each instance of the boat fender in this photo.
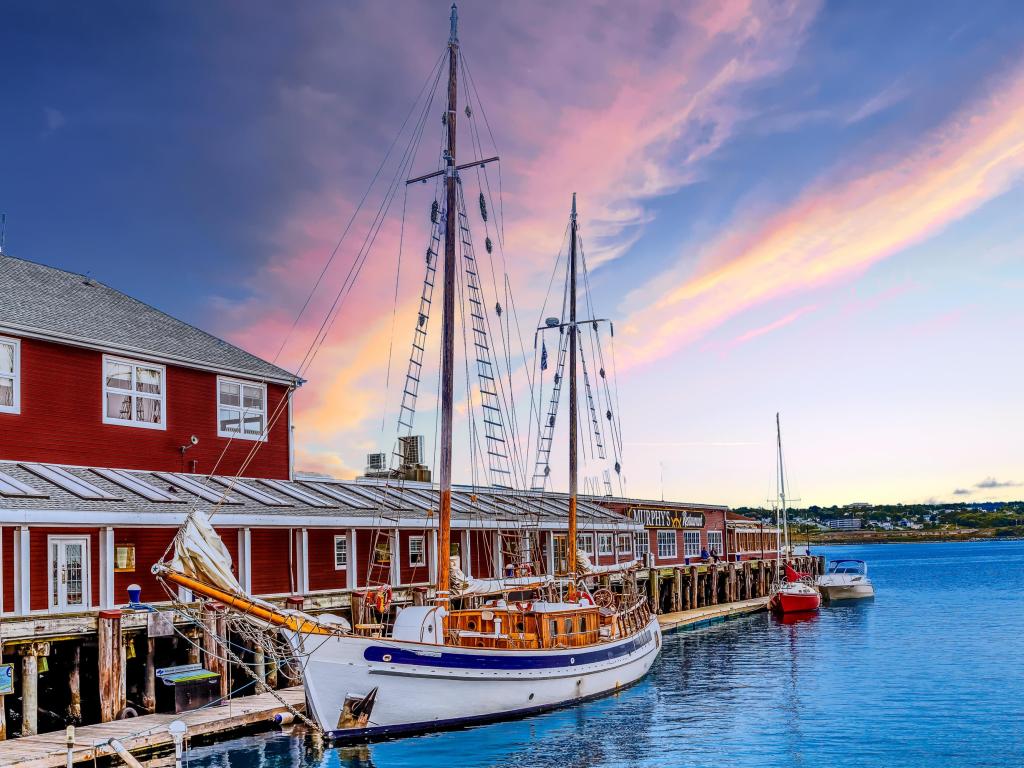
(283, 718)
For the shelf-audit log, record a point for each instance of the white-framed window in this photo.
(241, 409)
(340, 553)
(625, 544)
(643, 544)
(417, 551)
(691, 543)
(10, 375)
(667, 545)
(134, 393)
(605, 544)
(715, 543)
(585, 543)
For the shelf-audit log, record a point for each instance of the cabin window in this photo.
(241, 409)
(585, 543)
(340, 552)
(417, 551)
(604, 543)
(643, 544)
(134, 393)
(625, 544)
(691, 542)
(667, 544)
(715, 543)
(568, 626)
(382, 550)
(553, 624)
(124, 558)
(10, 375)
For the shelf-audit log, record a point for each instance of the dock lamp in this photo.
(177, 729)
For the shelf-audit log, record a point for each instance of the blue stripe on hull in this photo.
(515, 661)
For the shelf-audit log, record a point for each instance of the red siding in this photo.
(482, 554)
(150, 544)
(409, 574)
(39, 559)
(230, 538)
(7, 539)
(322, 574)
(61, 420)
(271, 572)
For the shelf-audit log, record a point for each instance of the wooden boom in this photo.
(245, 605)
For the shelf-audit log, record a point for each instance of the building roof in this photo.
(48, 494)
(62, 306)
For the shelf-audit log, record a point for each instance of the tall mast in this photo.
(782, 486)
(448, 326)
(571, 545)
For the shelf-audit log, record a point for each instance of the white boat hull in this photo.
(424, 687)
(847, 591)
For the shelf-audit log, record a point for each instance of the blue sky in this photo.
(809, 208)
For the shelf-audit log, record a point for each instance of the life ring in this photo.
(586, 598)
(524, 607)
(381, 598)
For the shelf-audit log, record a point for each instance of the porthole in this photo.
(386, 657)
(531, 697)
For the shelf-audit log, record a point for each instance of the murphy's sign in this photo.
(656, 517)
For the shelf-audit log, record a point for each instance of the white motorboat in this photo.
(846, 580)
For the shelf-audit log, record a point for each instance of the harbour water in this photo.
(928, 673)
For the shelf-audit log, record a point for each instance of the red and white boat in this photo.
(797, 593)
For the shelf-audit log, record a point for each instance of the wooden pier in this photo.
(148, 733)
(700, 617)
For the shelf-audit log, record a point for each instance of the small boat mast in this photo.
(573, 416)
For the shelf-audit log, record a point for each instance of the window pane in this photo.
(230, 421)
(6, 358)
(6, 391)
(147, 380)
(253, 397)
(340, 551)
(119, 375)
(230, 394)
(147, 409)
(119, 406)
(253, 423)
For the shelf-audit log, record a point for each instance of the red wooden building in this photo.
(92, 377)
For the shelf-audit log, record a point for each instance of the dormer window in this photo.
(10, 375)
(241, 409)
(134, 393)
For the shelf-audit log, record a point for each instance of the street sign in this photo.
(6, 679)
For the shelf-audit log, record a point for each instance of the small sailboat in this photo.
(796, 592)
(846, 580)
(486, 649)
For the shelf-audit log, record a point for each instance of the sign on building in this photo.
(6, 679)
(665, 517)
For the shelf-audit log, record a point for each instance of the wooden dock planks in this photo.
(49, 750)
(699, 616)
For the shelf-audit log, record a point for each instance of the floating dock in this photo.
(149, 732)
(701, 617)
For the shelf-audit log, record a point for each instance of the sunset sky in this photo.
(810, 208)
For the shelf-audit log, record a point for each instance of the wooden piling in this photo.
(213, 625)
(713, 577)
(111, 660)
(677, 590)
(149, 681)
(655, 587)
(74, 711)
(30, 688)
(694, 586)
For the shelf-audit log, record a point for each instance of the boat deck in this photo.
(146, 733)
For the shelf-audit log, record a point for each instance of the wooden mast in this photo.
(448, 326)
(571, 544)
(782, 520)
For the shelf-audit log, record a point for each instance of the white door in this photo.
(69, 572)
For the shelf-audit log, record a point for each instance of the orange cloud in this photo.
(839, 227)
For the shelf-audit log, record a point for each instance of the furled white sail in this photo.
(200, 554)
(589, 569)
(462, 585)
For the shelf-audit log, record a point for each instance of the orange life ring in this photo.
(381, 598)
(524, 607)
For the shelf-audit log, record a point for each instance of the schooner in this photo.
(485, 649)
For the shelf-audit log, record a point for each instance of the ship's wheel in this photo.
(604, 598)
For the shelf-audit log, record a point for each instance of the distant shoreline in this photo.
(902, 537)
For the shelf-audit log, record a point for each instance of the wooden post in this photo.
(149, 680)
(357, 608)
(29, 691)
(259, 662)
(74, 713)
(677, 590)
(654, 578)
(713, 577)
(694, 586)
(213, 624)
(112, 695)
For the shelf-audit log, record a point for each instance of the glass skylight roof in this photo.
(136, 484)
(252, 493)
(297, 493)
(60, 477)
(213, 495)
(12, 486)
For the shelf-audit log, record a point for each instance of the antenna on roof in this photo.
(3, 231)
